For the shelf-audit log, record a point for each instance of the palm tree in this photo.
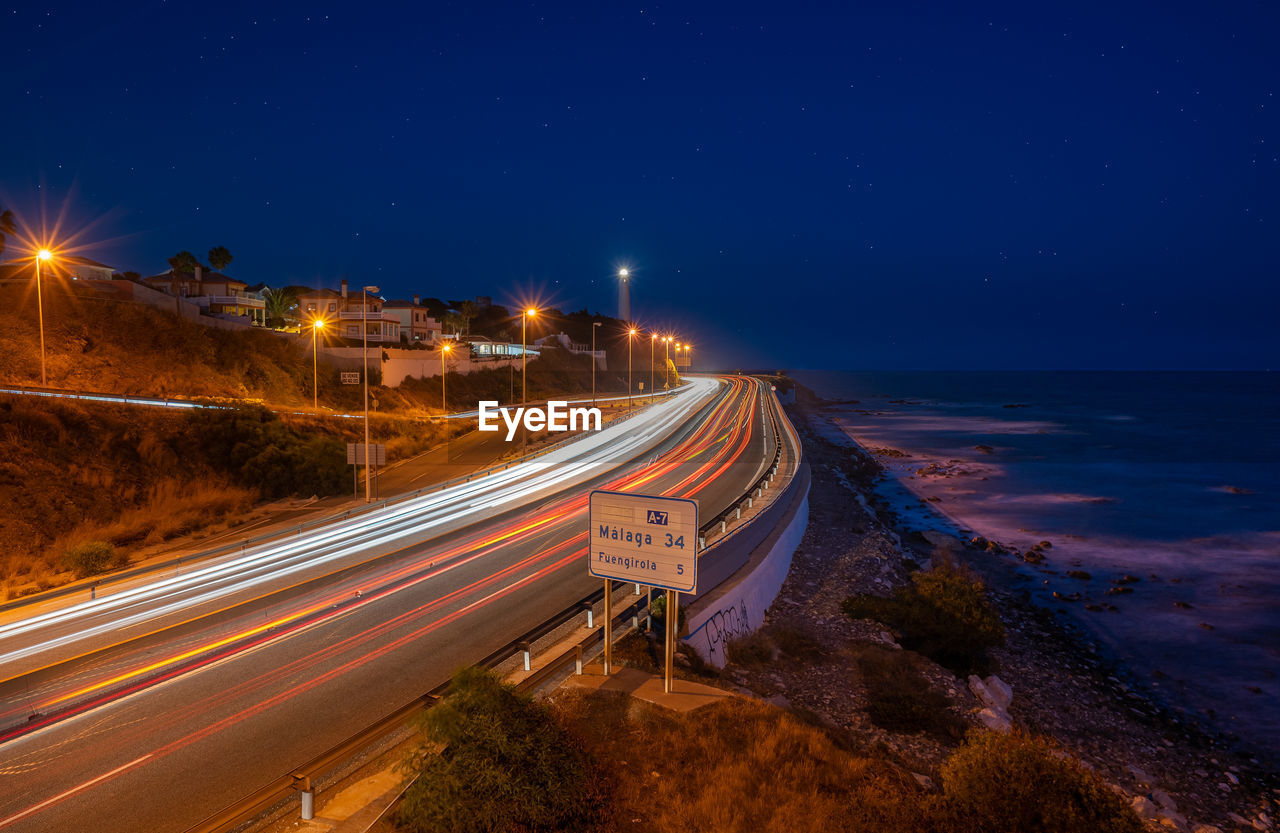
(6, 226)
(467, 311)
(219, 258)
(279, 305)
(183, 261)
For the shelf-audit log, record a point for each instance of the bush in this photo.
(506, 764)
(795, 643)
(750, 649)
(93, 557)
(261, 452)
(900, 698)
(1017, 783)
(658, 610)
(943, 613)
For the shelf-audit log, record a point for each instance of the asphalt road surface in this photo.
(152, 709)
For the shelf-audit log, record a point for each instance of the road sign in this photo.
(356, 454)
(349, 378)
(644, 539)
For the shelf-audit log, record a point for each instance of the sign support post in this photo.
(608, 625)
(644, 539)
(670, 615)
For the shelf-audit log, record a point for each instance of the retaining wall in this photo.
(735, 605)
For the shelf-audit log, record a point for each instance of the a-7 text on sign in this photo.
(644, 539)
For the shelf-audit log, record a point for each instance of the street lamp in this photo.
(445, 350)
(368, 452)
(653, 339)
(524, 353)
(666, 362)
(43, 254)
(631, 337)
(316, 326)
(594, 324)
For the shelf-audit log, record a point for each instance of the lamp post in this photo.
(43, 254)
(631, 337)
(594, 324)
(524, 353)
(316, 325)
(368, 452)
(445, 349)
(666, 362)
(653, 339)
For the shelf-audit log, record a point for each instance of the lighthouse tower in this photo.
(624, 295)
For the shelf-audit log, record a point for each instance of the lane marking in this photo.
(68, 793)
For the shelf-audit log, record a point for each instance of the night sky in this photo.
(794, 185)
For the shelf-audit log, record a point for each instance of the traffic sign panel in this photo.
(644, 539)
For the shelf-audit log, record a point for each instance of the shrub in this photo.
(93, 557)
(658, 610)
(943, 613)
(1017, 783)
(261, 452)
(754, 648)
(506, 764)
(900, 698)
(796, 643)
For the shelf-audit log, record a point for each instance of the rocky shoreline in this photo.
(1177, 775)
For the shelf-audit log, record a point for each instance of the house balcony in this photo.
(230, 300)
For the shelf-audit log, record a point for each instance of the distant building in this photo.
(345, 312)
(63, 266)
(215, 293)
(416, 323)
(563, 341)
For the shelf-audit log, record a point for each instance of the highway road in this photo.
(154, 707)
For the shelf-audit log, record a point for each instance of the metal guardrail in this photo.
(243, 544)
(303, 778)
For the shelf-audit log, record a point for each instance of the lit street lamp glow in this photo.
(42, 255)
(524, 354)
(445, 350)
(316, 326)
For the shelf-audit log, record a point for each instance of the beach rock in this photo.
(1145, 808)
(1080, 574)
(923, 780)
(1033, 557)
(1143, 779)
(1165, 800)
(941, 540)
(1206, 828)
(995, 721)
(1117, 591)
(985, 449)
(1183, 605)
(993, 692)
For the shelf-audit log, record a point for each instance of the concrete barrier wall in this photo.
(736, 605)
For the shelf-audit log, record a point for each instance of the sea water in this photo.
(1169, 477)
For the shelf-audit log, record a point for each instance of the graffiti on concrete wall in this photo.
(724, 625)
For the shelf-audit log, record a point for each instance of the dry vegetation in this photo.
(98, 343)
(77, 472)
